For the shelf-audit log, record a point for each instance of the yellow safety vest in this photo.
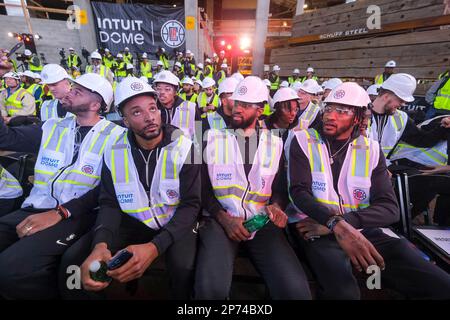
(379, 79)
(108, 61)
(442, 100)
(128, 58)
(34, 68)
(165, 62)
(120, 70)
(204, 101)
(211, 71)
(192, 99)
(72, 61)
(146, 70)
(223, 75)
(90, 68)
(276, 84)
(13, 103)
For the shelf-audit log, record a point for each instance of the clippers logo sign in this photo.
(139, 26)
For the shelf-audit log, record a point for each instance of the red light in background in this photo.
(229, 47)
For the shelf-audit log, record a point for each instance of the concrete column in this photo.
(190, 10)
(262, 21)
(88, 38)
(300, 10)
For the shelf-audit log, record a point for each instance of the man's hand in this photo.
(6, 120)
(445, 122)
(310, 228)
(37, 222)
(233, 226)
(436, 170)
(276, 215)
(143, 256)
(360, 251)
(100, 253)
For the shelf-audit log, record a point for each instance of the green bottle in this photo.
(256, 222)
(98, 270)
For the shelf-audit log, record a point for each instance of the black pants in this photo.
(28, 266)
(269, 251)
(7, 206)
(180, 258)
(406, 271)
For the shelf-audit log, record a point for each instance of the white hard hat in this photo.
(106, 50)
(187, 80)
(296, 71)
(19, 73)
(228, 85)
(129, 66)
(37, 75)
(200, 65)
(178, 64)
(97, 84)
(310, 69)
(332, 83)
(311, 86)
(208, 82)
(144, 55)
(207, 60)
(297, 85)
(221, 51)
(267, 82)
(284, 84)
(251, 90)
(11, 74)
(53, 73)
(238, 76)
(284, 94)
(71, 49)
(276, 68)
(166, 76)
(95, 55)
(349, 93)
(390, 64)
(27, 52)
(127, 49)
(402, 85)
(159, 63)
(373, 89)
(199, 82)
(188, 52)
(143, 78)
(223, 65)
(119, 55)
(163, 50)
(28, 73)
(130, 87)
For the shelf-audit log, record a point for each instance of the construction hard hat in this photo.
(130, 87)
(228, 85)
(119, 55)
(143, 78)
(187, 80)
(284, 94)
(28, 74)
(402, 85)
(96, 55)
(297, 85)
(168, 77)
(276, 68)
(97, 84)
(53, 73)
(144, 55)
(221, 51)
(207, 60)
(71, 49)
(37, 75)
(27, 52)
(208, 82)
(159, 63)
(12, 75)
(238, 76)
(331, 84)
(127, 49)
(188, 52)
(163, 50)
(311, 86)
(178, 64)
(199, 82)
(251, 90)
(267, 82)
(284, 84)
(296, 71)
(350, 94)
(129, 66)
(223, 65)
(310, 69)
(200, 65)
(373, 89)
(106, 50)
(390, 64)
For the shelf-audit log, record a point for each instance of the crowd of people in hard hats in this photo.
(194, 164)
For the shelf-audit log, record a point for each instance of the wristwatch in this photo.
(331, 223)
(63, 212)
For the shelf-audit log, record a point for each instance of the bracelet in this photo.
(332, 222)
(62, 212)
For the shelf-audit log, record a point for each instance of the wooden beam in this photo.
(44, 9)
(389, 28)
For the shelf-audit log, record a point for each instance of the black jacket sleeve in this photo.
(417, 137)
(20, 139)
(279, 186)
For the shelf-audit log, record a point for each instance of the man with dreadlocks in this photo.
(339, 181)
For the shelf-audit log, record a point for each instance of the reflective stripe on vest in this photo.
(205, 100)
(276, 84)
(442, 100)
(73, 61)
(238, 195)
(215, 120)
(49, 109)
(90, 68)
(426, 156)
(379, 79)
(355, 178)
(13, 103)
(165, 187)
(184, 118)
(308, 116)
(193, 98)
(223, 75)
(211, 71)
(9, 186)
(146, 70)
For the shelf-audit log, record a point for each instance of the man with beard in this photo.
(149, 161)
(338, 178)
(308, 103)
(54, 215)
(243, 178)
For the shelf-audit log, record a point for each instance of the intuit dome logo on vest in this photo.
(139, 26)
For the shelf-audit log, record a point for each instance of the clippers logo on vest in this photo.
(49, 162)
(87, 169)
(172, 194)
(359, 194)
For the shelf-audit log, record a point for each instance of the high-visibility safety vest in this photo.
(305, 78)
(442, 99)
(108, 61)
(379, 79)
(267, 111)
(128, 58)
(276, 84)
(203, 100)
(354, 179)
(157, 210)
(223, 75)
(165, 62)
(58, 180)
(392, 132)
(437, 155)
(9, 186)
(240, 196)
(211, 71)
(291, 79)
(215, 120)
(146, 70)
(184, 118)
(32, 90)
(199, 75)
(192, 99)
(444, 74)
(120, 70)
(35, 68)
(102, 72)
(13, 103)
(308, 116)
(72, 61)
(49, 109)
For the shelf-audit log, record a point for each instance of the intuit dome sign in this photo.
(142, 28)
